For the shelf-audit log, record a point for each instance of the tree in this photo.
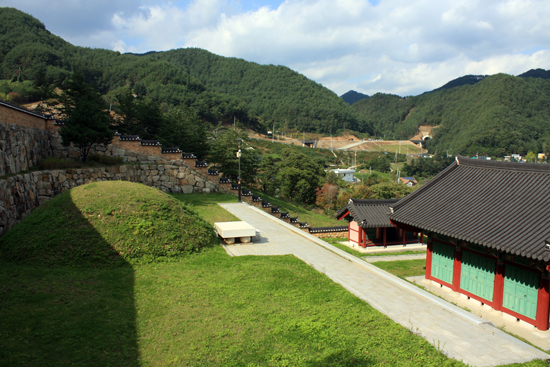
(326, 196)
(184, 129)
(299, 177)
(380, 164)
(86, 117)
(139, 116)
(390, 190)
(530, 157)
(267, 172)
(223, 154)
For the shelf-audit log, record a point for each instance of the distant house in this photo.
(345, 174)
(476, 244)
(541, 156)
(369, 224)
(409, 181)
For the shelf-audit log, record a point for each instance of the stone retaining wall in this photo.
(22, 148)
(330, 234)
(21, 194)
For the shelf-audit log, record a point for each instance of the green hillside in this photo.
(218, 88)
(499, 115)
(106, 223)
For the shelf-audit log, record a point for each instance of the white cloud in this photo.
(398, 46)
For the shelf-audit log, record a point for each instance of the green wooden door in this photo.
(477, 275)
(521, 291)
(443, 257)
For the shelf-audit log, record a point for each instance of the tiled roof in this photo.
(369, 213)
(499, 205)
(328, 229)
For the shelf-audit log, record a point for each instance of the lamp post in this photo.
(239, 177)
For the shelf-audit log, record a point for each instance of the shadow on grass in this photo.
(65, 315)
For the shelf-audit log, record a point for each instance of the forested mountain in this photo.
(218, 88)
(463, 80)
(352, 96)
(499, 115)
(536, 73)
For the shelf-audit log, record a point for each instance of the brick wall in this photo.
(10, 115)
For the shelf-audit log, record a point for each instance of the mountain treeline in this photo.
(497, 116)
(218, 89)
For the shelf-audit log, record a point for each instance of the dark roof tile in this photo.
(369, 213)
(499, 205)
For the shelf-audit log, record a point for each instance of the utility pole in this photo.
(239, 178)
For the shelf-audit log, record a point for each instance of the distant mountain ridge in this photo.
(463, 80)
(219, 89)
(536, 73)
(497, 115)
(352, 96)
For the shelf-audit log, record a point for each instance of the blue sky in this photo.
(404, 47)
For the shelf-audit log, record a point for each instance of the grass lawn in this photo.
(304, 215)
(336, 243)
(205, 309)
(206, 206)
(202, 309)
(403, 268)
(384, 176)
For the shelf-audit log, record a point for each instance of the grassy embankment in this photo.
(63, 302)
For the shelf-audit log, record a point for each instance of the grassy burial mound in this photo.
(103, 223)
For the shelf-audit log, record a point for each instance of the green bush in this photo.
(50, 163)
(106, 160)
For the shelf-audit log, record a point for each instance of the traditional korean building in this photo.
(369, 223)
(488, 227)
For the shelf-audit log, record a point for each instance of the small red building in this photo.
(488, 226)
(369, 223)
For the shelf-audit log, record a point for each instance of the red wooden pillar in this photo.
(457, 268)
(498, 293)
(543, 302)
(429, 259)
(404, 234)
(384, 234)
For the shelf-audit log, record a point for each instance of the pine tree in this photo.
(86, 118)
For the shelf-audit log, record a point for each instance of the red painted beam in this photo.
(343, 215)
(498, 293)
(457, 267)
(429, 259)
(543, 304)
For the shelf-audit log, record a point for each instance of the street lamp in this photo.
(239, 177)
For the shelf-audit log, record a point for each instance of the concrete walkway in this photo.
(390, 249)
(458, 333)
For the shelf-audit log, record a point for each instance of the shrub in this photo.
(50, 163)
(106, 160)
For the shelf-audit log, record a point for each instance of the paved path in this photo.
(458, 333)
(373, 259)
